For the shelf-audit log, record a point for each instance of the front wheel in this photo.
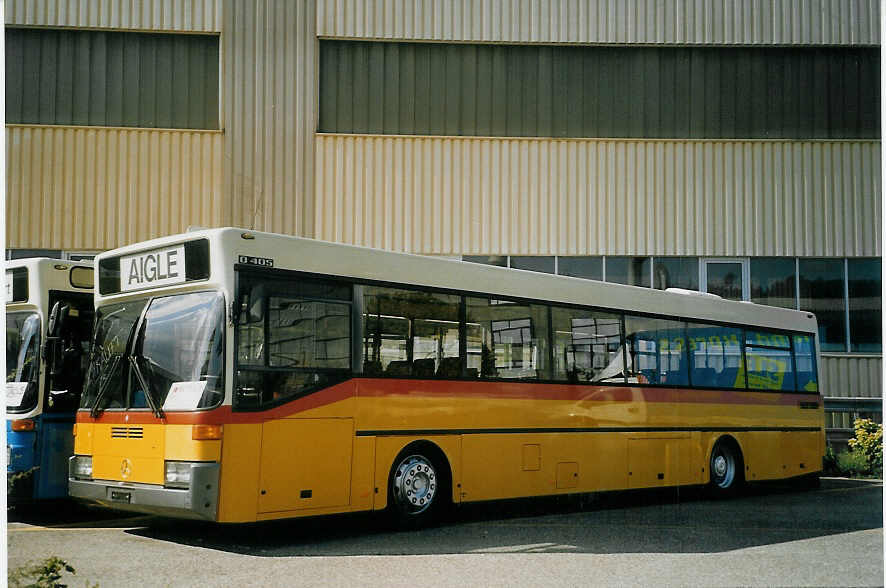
(418, 489)
(727, 468)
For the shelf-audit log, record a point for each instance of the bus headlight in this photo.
(82, 466)
(178, 474)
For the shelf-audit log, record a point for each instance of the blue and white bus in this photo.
(49, 312)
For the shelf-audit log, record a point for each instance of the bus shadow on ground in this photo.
(67, 514)
(660, 521)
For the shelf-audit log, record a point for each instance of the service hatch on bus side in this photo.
(240, 376)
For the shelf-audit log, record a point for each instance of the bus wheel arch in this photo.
(419, 485)
(726, 467)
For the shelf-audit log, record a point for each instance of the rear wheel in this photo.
(418, 490)
(727, 468)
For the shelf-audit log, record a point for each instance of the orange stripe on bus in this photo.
(449, 389)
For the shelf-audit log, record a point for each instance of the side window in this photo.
(587, 346)
(507, 339)
(715, 356)
(769, 361)
(656, 351)
(804, 353)
(308, 333)
(410, 333)
(293, 337)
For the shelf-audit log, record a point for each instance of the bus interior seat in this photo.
(704, 377)
(372, 368)
(399, 368)
(423, 368)
(450, 367)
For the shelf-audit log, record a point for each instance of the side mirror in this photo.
(52, 351)
(58, 316)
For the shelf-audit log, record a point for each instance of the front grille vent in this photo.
(127, 432)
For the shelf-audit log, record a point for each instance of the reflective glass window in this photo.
(497, 260)
(410, 333)
(293, 337)
(507, 339)
(587, 346)
(865, 306)
(590, 268)
(770, 365)
(535, 263)
(633, 271)
(676, 272)
(804, 354)
(821, 292)
(715, 356)
(774, 281)
(656, 351)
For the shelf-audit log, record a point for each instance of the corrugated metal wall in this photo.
(845, 376)
(99, 188)
(110, 78)
(153, 15)
(714, 22)
(648, 92)
(270, 97)
(453, 195)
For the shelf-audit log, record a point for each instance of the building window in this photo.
(675, 272)
(633, 271)
(865, 305)
(774, 281)
(822, 292)
(496, 260)
(112, 78)
(590, 268)
(841, 292)
(534, 263)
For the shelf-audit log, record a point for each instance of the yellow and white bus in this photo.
(243, 376)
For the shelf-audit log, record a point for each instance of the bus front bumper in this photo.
(198, 501)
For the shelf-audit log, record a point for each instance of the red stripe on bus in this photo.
(448, 389)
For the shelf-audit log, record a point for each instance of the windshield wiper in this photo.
(158, 412)
(104, 384)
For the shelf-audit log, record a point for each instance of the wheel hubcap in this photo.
(723, 468)
(720, 465)
(415, 484)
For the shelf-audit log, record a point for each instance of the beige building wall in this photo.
(203, 16)
(88, 188)
(846, 375)
(467, 195)
(270, 111)
(687, 22)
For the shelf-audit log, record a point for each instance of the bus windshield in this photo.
(22, 360)
(164, 353)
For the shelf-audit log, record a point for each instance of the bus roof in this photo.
(363, 263)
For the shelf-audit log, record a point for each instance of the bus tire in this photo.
(419, 487)
(726, 467)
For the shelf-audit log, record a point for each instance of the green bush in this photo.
(853, 463)
(45, 574)
(830, 462)
(868, 442)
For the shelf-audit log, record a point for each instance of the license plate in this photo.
(121, 496)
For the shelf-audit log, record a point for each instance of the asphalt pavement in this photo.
(773, 535)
